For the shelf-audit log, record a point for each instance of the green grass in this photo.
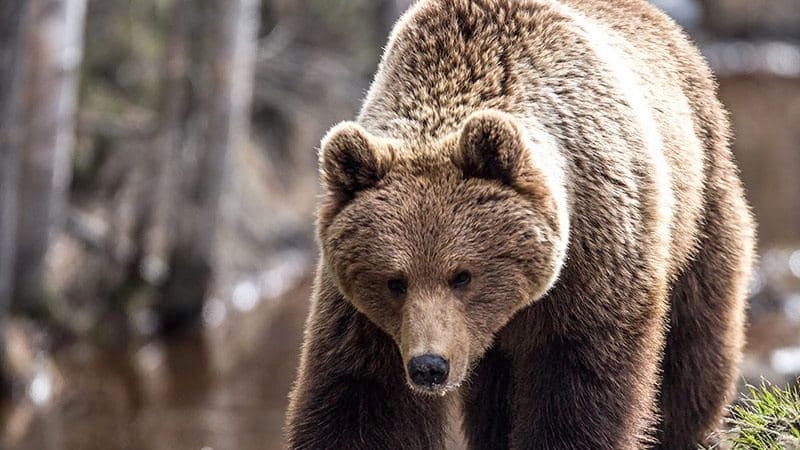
(766, 418)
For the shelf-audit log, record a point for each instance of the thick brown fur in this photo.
(572, 157)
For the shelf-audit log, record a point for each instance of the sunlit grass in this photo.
(766, 418)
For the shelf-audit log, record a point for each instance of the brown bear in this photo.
(535, 222)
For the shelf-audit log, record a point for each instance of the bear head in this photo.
(441, 244)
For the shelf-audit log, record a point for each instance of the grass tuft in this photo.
(767, 418)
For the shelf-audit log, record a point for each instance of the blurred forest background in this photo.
(157, 188)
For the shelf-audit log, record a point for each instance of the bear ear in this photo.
(491, 146)
(351, 159)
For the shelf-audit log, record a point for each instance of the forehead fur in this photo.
(490, 146)
(431, 220)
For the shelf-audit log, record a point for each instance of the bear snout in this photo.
(428, 370)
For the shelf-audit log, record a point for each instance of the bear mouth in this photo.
(434, 390)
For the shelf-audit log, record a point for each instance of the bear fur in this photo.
(569, 159)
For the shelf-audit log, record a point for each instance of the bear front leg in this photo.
(588, 387)
(351, 391)
(704, 345)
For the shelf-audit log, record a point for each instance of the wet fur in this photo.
(637, 341)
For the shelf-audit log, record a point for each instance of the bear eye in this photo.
(396, 286)
(461, 280)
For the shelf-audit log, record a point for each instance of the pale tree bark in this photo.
(11, 14)
(51, 56)
(165, 165)
(226, 63)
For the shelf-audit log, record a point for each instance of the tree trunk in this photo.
(226, 62)
(11, 14)
(51, 56)
(166, 165)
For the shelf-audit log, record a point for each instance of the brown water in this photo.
(167, 396)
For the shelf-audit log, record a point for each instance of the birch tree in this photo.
(53, 36)
(11, 13)
(225, 62)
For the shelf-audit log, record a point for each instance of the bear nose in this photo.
(428, 370)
